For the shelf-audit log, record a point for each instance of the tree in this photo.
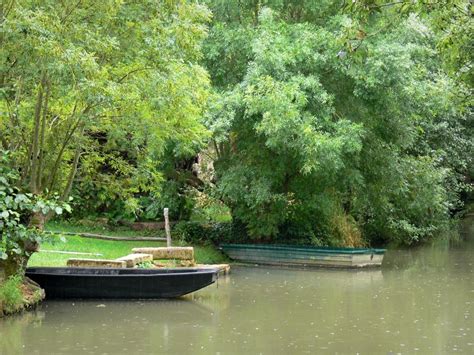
(97, 89)
(450, 19)
(323, 143)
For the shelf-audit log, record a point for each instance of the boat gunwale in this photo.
(311, 249)
(109, 272)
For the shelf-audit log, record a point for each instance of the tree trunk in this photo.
(15, 264)
(36, 135)
(11, 266)
(256, 11)
(72, 175)
(37, 220)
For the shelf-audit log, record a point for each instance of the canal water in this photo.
(421, 301)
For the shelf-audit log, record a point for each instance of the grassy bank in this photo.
(108, 249)
(17, 294)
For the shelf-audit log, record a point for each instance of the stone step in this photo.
(179, 253)
(96, 263)
(132, 260)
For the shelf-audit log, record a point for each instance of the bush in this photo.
(11, 296)
(230, 232)
(296, 234)
(192, 232)
(175, 196)
(213, 233)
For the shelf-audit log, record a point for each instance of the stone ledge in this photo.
(132, 260)
(179, 253)
(96, 263)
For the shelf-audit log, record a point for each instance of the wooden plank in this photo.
(96, 263)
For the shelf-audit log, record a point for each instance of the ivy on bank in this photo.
(20, 233)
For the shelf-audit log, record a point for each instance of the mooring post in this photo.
(167, 227)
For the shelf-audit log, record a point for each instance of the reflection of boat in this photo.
(60, 282)
(304, 256)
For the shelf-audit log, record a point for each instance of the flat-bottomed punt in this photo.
(304, 256)
(115, 283)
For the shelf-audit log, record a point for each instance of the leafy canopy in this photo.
(319, 142)
(96, 90)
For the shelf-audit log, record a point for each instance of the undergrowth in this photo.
(11, 297)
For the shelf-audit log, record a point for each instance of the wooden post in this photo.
(167, 228)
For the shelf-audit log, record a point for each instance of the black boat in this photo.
(72, 282)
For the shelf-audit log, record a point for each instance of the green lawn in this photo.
(110, 249)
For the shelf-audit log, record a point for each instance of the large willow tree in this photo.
(91, 87)
(333, 132)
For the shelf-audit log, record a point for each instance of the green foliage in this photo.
(450, 19)
(145, 265)
(19, 230)
(95, 91)
(209, 209)
(11, 296)
(331, 125)
(199, 233)
(333, 136)
(192, 232)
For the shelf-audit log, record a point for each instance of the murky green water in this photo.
(422, 301)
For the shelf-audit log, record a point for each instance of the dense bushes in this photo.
(324, 134)
(213, 232)
(236, 232)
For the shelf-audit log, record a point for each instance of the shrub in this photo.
(296, 234)
(192, 232)
(228, 232)
(214, 233)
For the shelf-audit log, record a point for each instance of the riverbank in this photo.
(421, 302)
(17, 295)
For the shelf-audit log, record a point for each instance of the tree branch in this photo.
(132, 72)
(72, 174)
(63, 20)
(69, 135)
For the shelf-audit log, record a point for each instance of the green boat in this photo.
(304, 256)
